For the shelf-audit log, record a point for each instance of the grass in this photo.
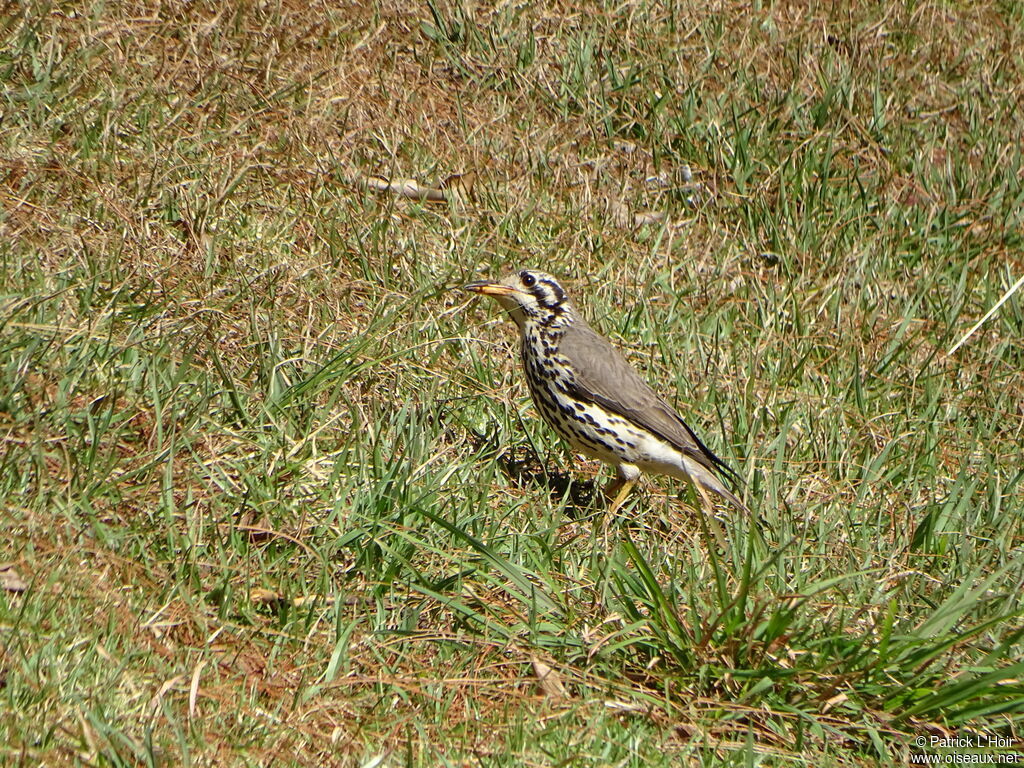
(274, 494)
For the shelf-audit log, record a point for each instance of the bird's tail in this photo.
(703, 478)
(731, 497)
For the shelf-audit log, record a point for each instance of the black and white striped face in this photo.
(529, 296)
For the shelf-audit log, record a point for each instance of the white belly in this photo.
(608, 438)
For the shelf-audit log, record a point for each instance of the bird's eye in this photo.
(528, 280)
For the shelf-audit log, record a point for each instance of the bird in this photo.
(594, 399)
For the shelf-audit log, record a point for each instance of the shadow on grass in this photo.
(523, 467)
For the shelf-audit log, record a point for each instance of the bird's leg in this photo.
(709, 510)
(623, 487)
(618, 489)
(705, 499)
(615, 493)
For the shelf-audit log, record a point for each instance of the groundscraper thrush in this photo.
(594, 399)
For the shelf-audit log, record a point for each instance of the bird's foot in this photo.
(616, 492)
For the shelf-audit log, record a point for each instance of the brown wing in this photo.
(604, 377)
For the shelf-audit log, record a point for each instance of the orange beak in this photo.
(489, 289)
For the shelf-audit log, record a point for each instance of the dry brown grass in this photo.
(189, 246)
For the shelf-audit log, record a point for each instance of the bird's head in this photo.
(529, 296)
